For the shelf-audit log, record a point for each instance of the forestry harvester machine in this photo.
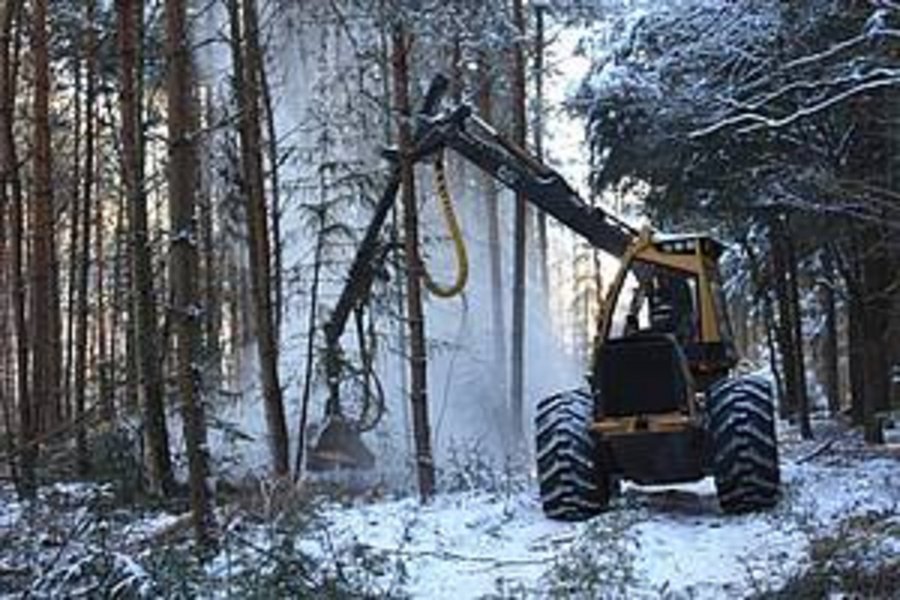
(661, 405)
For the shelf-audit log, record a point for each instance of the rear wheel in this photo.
(575, 483)
(745, 450)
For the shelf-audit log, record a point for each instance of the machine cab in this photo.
(667, 289)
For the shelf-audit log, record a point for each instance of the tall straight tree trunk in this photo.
(762, 295)
(101, 354)
(212, 322)
(878, 277)
(74, 225)
(311, 334)
(186, 308)
(543, 248)
(797, 326)
(9, 243)
(274, 164)
(385, 71)
(41, 225)
(151, 393)
(517, 400)
(784, 333)
(84, 259)
(855, 352)
(417, 359)
(829, 344)
(7, 355)
(247, 64)
(495, 249)
(9, 58)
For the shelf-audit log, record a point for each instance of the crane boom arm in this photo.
(478, 142)
(539, 184)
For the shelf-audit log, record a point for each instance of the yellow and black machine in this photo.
(661, 404)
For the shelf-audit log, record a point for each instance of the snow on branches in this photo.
(743, 101)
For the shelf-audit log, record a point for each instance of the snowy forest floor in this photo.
(837, 528)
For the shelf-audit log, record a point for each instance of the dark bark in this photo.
(829, 339)
(785, 331)
(856, 352)
(310, 341)
(877, 279)
(151, 391)
(539, 43)
(517, 400)
(274, 158)
(9, 58)
(87, 180)
(763, 297)
(796, 318)
(7, 273)
(74, 228)
(44, 388)
(186, 308)
(417, 359)
(247, 65)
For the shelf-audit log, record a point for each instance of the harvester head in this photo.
(339, 447)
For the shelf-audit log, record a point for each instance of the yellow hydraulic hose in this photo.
(459, 245)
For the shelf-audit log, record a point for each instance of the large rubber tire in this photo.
(744, 445)
(574, 485)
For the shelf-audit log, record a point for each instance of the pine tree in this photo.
(186, 309)
(418, 362)
(247, 65)
(150, 383)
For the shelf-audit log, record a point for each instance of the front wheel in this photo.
(574, 484)
(745, 450)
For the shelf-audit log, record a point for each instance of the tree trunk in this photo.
(10, 12)
(274, 163)
(212, 322)
(151, 391)
(856, 352)
(517, 400)
(186, 309)
(418, 358)
(9, 269)
(544, 265)
(495, 249)
(41, 224)
(829, 343)
(247, 67)
(785, 332)
(81, 330)
(74, 227)
(877, 281)
(311, 335)
(762, 295)
(796, 319)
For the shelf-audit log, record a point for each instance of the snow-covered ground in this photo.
(840, 510)
(656, 541)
